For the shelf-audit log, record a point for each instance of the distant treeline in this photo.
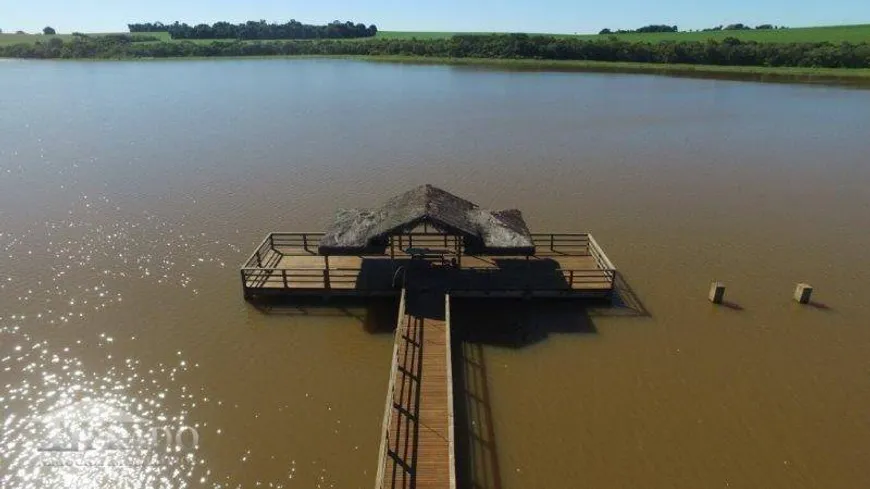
(643, 30)
(259, 30)
(742, 27)
(672, 28)
(729, 52)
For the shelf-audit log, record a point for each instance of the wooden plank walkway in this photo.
(419, 421)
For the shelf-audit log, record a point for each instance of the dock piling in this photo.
(717, 292)
(803, 292)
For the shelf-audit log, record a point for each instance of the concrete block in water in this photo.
(803, 292)
(717, 292)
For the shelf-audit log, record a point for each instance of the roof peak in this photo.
(357, 229)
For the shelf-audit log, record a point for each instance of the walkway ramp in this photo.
(417, 445)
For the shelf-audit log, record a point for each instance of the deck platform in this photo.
(564, 265)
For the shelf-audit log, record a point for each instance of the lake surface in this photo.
(130, 192)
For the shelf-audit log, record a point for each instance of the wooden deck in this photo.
(417, 445)
(563, 265)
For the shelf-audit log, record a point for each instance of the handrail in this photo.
(595, 246)
(391, 386)
(261, 270)
(305, 269)
(252, 258)
(264, 277)
(451, 443)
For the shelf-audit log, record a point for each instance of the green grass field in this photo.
(834, 34)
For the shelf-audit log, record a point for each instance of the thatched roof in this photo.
(367, 231)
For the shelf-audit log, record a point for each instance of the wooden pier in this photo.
(417, 444)
(424, 247)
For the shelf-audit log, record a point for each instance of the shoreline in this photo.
(841, 77)
(857, 77)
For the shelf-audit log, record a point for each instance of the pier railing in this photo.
(301, 278)
(264, 256)
(451, 417)
(262, 270)
(561, 243)
(600, 257)
(391, 386)
(293, 243)
(494, 279)
(290, 243)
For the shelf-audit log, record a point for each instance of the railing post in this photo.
(304, 241)
(571, 278)
(244, 284)
(552, 242)
(272, 240)
(259, 260)
(284, 276)
(326, 278)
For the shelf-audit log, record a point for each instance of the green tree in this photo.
(49, 31)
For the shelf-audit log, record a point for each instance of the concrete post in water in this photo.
(717, 292)
(803, 292)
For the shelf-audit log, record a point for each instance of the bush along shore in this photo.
(730, 52)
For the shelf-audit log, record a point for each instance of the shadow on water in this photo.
(517, 323)
(820, 306)
(732, 305)
(377, 315)
(477, 464)
(502, 323)
(625, 302)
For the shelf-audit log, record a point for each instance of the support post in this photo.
(284, 276)
(326, 279)
(803, 293)
(552, 242)
(305, 242)
(717, 292)
(259, 260)
(244, 285)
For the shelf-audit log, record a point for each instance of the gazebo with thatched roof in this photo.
(478, 231)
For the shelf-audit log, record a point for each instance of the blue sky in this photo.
(556, 16)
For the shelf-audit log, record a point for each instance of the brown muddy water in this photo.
(130, 193)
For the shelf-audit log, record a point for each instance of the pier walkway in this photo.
(417, 445)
